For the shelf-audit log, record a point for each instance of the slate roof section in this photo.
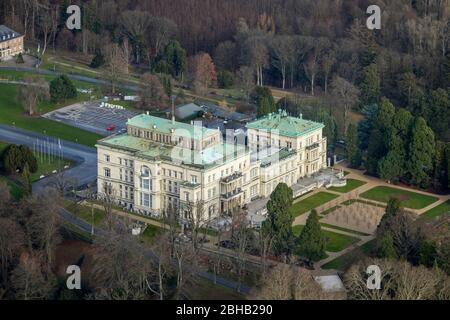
(7, 34)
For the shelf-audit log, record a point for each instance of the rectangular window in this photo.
(107, 158)
(146, 184)
(146, 200)
(107, 172)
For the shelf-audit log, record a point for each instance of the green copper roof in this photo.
(284, 124)
(210, 157)
(166, 126)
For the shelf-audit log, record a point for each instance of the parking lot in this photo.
(93, 116)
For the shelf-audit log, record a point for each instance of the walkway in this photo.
(86, 157)
(371, 182)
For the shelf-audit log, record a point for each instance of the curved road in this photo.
(71, 76)
(86, 157)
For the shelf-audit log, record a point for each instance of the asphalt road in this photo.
(84, 171)
(71, 76)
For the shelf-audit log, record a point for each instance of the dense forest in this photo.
(319, 49)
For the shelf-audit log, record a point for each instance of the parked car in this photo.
(111, 128)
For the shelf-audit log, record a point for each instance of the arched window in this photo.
(146, 182)
(145, 171)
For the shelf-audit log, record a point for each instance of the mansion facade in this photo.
(160, 164)
(11, 43)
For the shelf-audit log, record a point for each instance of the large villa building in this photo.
(160, 164)
(11, 43)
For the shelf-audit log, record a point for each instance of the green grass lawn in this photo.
(331, 226)
(311, 202)
(352, 184)
(85, 212)
(151, 231)
(20, 75)
(437, 211)
(344, 262)
(12, 113)
(46, 165)
(336, 241)
(409, 199)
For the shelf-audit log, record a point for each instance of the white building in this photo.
(162, 164)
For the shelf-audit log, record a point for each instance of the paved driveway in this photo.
(86, 157)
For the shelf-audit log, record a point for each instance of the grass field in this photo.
(336, 241)
(344, 262)
(12, 113)
(45, 165)
(311, 202)
(352, 184)
(331, 226)
(151, 231)
(409, 199)
(437, 211)
(20, 75)
(85, 212)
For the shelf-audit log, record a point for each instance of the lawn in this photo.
(151, 231)
(352, 184)
(409, 199)
(85, 212)
(437, 211)
(336, 241)
(311, 202)
(46, 165)
(12, 113)
(344, 262)
(331, 226)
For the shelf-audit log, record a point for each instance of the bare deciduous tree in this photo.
(347, 95)
(116, 62)
(30, 278)
(151, 92)
(399, 280)
(11, 241)
(136, 24)
(45, 222)
(122, 268)
(286, 282)
(31, 92)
